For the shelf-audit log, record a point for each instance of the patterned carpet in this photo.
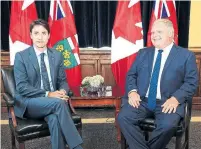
(97, 135)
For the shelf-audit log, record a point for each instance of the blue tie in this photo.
(154, 82)
(45, 79)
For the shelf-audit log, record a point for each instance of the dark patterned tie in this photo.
(154, 82)
(46, 82)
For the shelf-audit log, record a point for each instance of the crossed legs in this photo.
(61, 126)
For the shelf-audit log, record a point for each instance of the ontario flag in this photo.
(163, 9)
(127, 39)
(64, 39)
(22, 14)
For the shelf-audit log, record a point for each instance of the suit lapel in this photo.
(34, 61)
(173, 53)
(51, 62)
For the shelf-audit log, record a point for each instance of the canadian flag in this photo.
(22, 14)
(127, 39)
(163, 9)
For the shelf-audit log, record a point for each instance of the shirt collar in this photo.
(39, 52)
(166, 49)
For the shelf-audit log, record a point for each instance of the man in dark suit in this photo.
(41, 88)
(158, 84)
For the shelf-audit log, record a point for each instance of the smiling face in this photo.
(162, 34)
(40, 37)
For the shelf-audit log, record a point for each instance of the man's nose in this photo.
(40, 37)
(154, 35)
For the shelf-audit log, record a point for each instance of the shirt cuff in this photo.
(134, 90)
(46, 94)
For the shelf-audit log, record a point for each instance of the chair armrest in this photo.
(70, 93)
(8, 99)
(71, 106)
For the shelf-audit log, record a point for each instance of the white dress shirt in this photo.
(164, 57)
(46, 60)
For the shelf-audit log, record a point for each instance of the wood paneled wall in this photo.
(98, 62)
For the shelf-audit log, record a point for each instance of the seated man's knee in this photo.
(59, 101)
(169, 126)
(52, 118)
(120, 117)
(123, 117)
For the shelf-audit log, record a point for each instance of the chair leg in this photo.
(146, 135)
(13, 140)
(21, 145)
(187, 137)
(178, 142)
(80, 131)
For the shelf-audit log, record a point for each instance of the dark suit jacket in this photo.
(179, 76)
(28, 79)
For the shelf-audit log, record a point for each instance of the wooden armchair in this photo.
(26, 129)
(147, 125)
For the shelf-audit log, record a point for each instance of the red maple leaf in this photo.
(126, 20)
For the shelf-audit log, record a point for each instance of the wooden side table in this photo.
(100, 102)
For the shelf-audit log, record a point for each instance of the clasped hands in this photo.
(170, 106)
(59, 94)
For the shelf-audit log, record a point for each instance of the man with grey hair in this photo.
(158, 84)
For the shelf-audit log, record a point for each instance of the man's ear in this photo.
(171, 33)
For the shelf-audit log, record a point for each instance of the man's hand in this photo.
(63, 91)
(65, 98)
(58, 94)
(134, 99)
(170, 105)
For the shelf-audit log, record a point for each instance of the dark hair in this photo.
(40, 22)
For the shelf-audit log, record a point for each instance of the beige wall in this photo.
(195, 25)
